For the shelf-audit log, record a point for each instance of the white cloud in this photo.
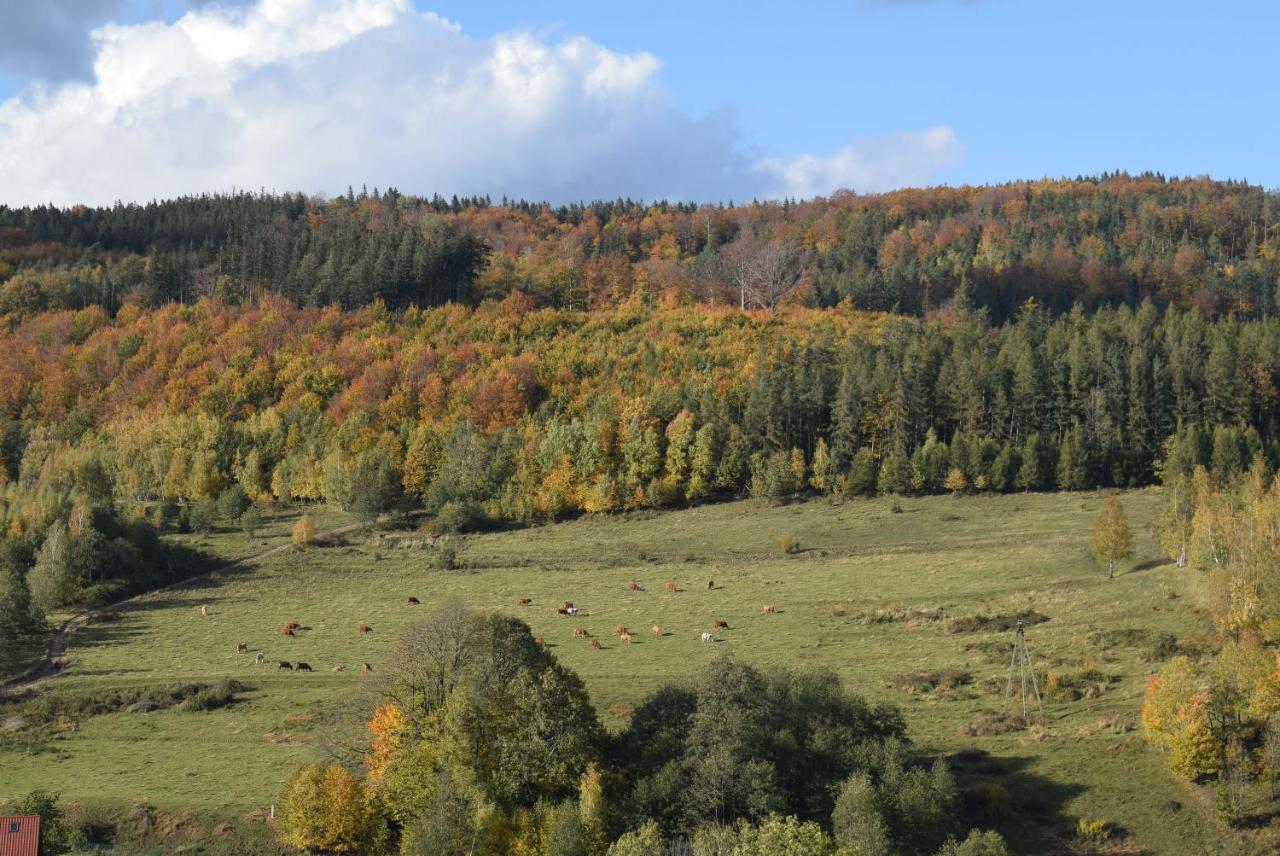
(870, 164)
(316, 94)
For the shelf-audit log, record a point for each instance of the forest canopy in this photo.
(1099, 241)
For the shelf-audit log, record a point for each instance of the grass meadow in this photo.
(873, 590)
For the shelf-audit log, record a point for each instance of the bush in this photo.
(987, 843)
(304, 531)
(790, 544)
(232, 503)
(212, 698)
(456, 516)
(1095, 831)
(201, 515)
(446, 558)
(251, 521)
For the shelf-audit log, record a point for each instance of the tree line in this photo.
(1099, 241)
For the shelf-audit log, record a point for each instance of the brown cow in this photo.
(539, 641)
(768, 607)
(657, 631)
(621, 630)
(711, 584)
(628, 638)
(562, 610)
(284, 664)
(720, 624)
(595, 643)
(523, 601)
(368, 668)
(242, 648)
(303, 667)
(669, 586)
(413, 601)
(581, 632)
(633, 586)
(363, 628)
(287, 631)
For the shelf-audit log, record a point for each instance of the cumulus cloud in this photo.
(316, 94)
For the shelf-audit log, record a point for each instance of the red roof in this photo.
(20, 836)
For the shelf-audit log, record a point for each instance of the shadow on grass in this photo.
(1034, 820)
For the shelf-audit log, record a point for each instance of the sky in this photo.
(104, 100)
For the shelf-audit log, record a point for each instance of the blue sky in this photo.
(870, 93)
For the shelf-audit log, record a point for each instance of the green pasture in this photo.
(870, 593)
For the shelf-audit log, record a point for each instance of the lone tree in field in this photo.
(1112, 539)
(304, 531)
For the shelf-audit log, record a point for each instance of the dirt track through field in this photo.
(45, 670)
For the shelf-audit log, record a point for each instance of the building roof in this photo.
(20, 835)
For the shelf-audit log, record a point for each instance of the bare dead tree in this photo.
(765, 270)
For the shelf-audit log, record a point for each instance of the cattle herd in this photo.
(291, 628)
(565, 609)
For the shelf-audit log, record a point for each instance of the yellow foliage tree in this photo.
(304, 531)
(325, 808)
(1112, 540)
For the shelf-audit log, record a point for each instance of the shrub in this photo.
(212, 698)
(232, 503)
(304, 531)
(790, 544)
(978, 843)
(445, 558)
(455, 516)
(1093, 831)
(251, 521)
(201, 515)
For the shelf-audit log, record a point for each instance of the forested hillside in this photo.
(1099, 241)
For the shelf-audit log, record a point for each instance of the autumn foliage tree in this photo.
(1111, 540)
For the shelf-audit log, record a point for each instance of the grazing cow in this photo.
(539, 641)
(621, 630)
(287, 631)
(242, 648)
(413, 601)
(657, 631)
(633, 586)
(368, 668)
(303, 667)
(204, 610)
(628, 638)
(711, 584)
(707, 637)
(523, 601)
(581, 632)
(363, 628)
(259, 657)
(594, 643)
(720, 624)
(768, 607)
(284, 664)
(671, 586)
(339, 668)
(560, 610)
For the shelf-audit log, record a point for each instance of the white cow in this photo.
(707, 637)
(259, 657)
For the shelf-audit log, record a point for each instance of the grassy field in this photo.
(871, 593)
